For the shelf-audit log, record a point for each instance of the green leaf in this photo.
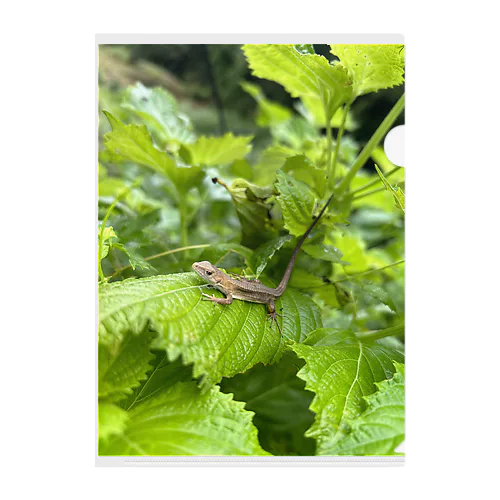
(341, 371)
(123, 365)
(301, 75)
(164, 374)
(221, 340)
(252, 207)
(312, 110)
(134, 143)
(265, 253)
(302, 169)
(324, 252)
(108, 234)
(112, 420)
(380, 428)
(270, 113)
(398, 194)
(372, 67)
(182, 421)
(158, 109)
(213, 151)
(297, 202)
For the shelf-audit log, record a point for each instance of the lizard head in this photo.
(209, 272)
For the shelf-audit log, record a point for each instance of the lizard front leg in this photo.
(273, 314)
(228, 299)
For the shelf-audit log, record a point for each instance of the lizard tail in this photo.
(280, 289)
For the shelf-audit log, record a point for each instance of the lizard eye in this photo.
(209, 273)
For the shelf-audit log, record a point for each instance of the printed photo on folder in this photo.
(250, 253)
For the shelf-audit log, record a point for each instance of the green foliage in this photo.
(371, 67)
(181, 421)
(341, 371)
(380, 428)
(179, 375)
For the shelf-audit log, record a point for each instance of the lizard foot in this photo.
(272, 317)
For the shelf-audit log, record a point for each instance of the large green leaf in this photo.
(123, 365)
(372, 67)
(221, 340)
(302, 74)
(158, 109)
(134, 143)
(341, 371)
(380, 428)
(182, 421)
(297, 203)
(215, 151)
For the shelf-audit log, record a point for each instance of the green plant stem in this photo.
(379, 134)
(373, 191)
(331, 180)
(374, 181)
(183, 222)
(339, 138)
(162, 254)
(380, 334)
(349, 276)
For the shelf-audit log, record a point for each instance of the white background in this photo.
(48, 222)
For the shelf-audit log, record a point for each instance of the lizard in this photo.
(251, 290)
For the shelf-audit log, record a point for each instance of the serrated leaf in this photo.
(214, 151)
(158, 109)
(134, 143)
(381, 427)
(302, 169)
(372, 67)
(297, 203)
(105, 240)
(397, 192)
(182, 421)
(341, 371)
(220, 340)
(301, 74)
(377, 292)
(112, 420)
(123, 365)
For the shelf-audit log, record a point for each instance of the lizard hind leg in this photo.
(272, 315)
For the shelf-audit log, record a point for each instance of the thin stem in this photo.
(339, 138)
(162, 254)
(329, 168)
(374, 181)
(373, 191)
(380, 334)
(379, 134)
(183, 222)
(349, 276)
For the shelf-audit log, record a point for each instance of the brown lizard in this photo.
(251, 290)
